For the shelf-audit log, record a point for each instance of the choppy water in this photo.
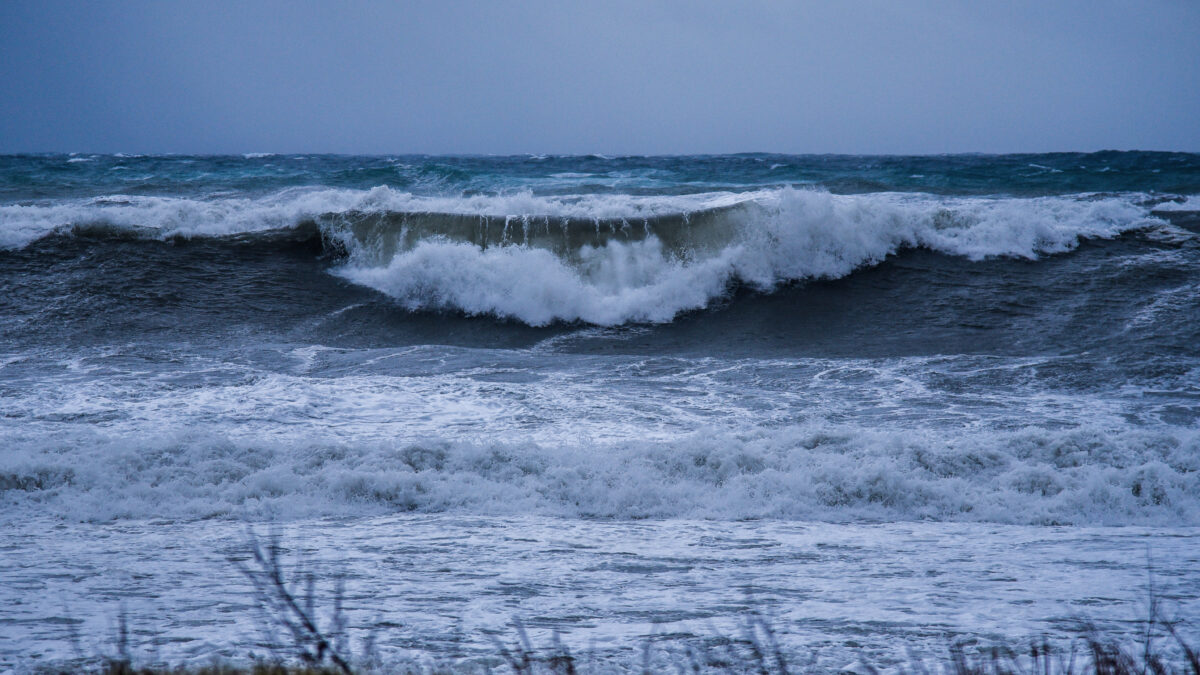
(984, 361)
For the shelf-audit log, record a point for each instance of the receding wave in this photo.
(602, 259)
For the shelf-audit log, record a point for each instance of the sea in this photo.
(871, 407)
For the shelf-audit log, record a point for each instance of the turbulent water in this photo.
(930, 372)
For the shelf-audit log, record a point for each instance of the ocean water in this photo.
(890, 402)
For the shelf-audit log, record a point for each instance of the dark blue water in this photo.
(24, 177)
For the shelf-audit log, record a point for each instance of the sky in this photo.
(618, 76)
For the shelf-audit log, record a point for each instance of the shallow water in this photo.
(435, 588)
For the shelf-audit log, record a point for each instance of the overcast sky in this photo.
(613, 77)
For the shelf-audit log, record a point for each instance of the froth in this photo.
(613, 285)
(1088, 475)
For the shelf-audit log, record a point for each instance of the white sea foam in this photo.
(613, 285)
(1187, 204)
(438, 429)
(1088, 475)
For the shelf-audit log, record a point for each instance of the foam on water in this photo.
(1189, 204)
(135, 431)
(811, 472)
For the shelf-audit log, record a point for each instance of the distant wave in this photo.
(602, 259)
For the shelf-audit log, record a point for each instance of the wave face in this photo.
(1004, 339)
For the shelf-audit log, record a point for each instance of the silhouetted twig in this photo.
(312, 645)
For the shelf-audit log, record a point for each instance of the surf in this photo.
(603, 259)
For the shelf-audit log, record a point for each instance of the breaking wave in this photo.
(1083, 476)
(601, 259)
(609, 272)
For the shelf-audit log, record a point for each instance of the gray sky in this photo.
(612, 77)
